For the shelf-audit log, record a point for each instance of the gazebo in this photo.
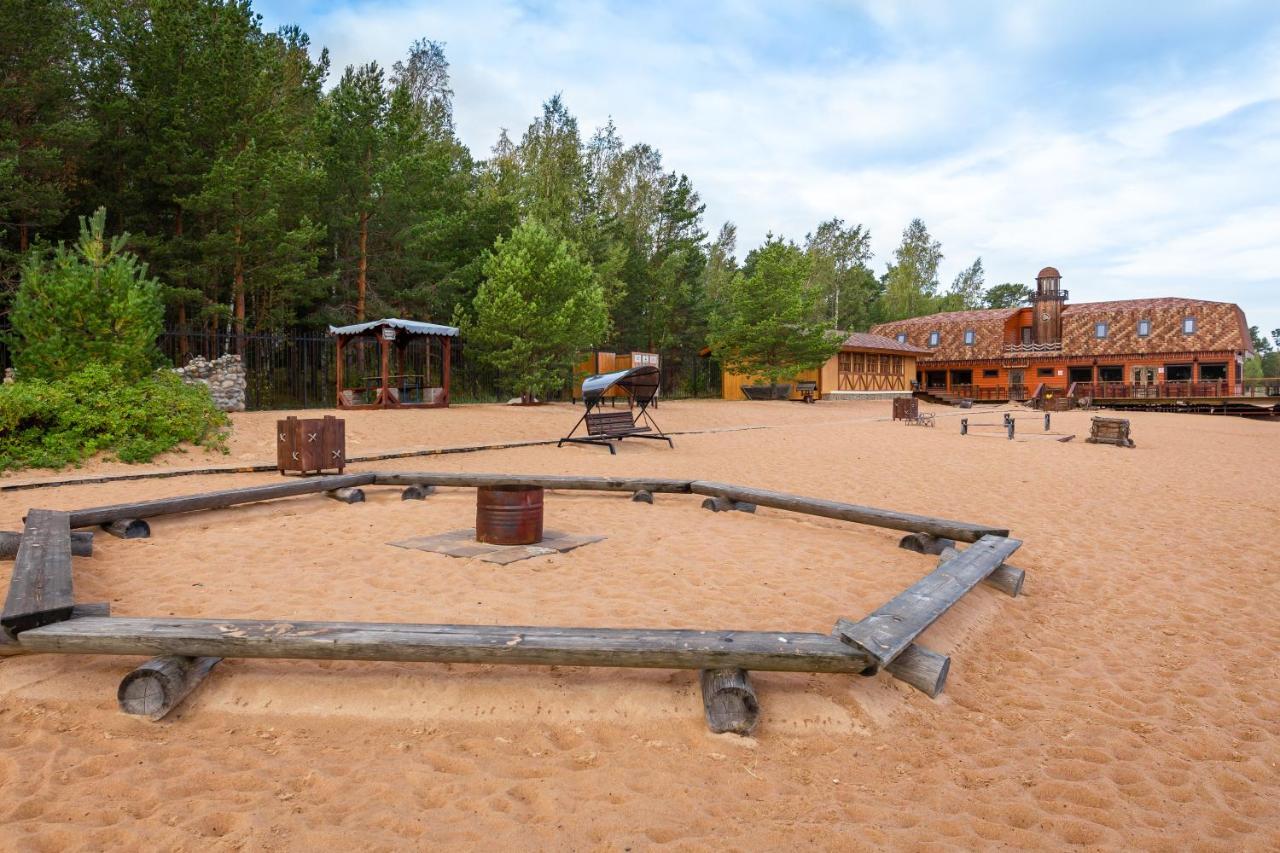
(409, 370)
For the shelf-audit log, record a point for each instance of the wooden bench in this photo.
(613, 425)
(1110, 431)
(806, 390)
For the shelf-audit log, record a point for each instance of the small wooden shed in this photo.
(393, 364)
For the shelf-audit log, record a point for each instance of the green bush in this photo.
(55, 423)
(90, 302)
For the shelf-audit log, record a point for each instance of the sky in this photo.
(1135, 146)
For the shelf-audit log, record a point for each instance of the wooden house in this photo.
(1131, 348)
(867, 366)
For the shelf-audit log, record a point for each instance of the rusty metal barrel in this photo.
(509, 515)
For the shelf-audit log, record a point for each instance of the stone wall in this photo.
(224, 377)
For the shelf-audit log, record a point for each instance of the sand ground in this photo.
(1128, 700)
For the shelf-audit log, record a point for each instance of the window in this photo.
(1111, 373)
(969, 336)
(1080, 374)
(1188, 325)
(902, 337)
(1044, 371)
(1144, 328)
(1099, 330)
(1213, 372)
(934, 338)
(1177, 373)
(990, 374)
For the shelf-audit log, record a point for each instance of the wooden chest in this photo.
(1110, 431)
(311, 445)
(905, 408)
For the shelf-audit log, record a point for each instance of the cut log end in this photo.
(642, 496)
(159, 685)
(720, 504)
(349, 495)
(128, 528)
(730, 701)
(417, 493)
(921, 668)
(925, 543)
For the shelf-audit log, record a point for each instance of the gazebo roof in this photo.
(412, 326)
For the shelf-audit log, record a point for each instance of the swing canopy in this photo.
(640, 383)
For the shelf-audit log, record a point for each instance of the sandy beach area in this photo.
(1129, 699)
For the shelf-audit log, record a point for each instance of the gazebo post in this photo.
(339, 355)
(385, 394)
(447, 344)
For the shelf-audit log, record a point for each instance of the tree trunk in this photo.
(23, 238)
(362, 270)
(237, 289)
(184, 345)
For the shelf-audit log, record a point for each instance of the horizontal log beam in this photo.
(546, 481)
(888, 631)
(959, 530)
(215, 500)
(9, 645)
(611, 647)
(40, 586)
(81, 543)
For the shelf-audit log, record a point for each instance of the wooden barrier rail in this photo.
(40, 586)
(545, 481)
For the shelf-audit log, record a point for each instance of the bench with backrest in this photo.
(806, 391)
(611, 424)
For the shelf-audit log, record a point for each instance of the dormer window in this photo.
(969, 337)
(1100, 331)
(902, 337)
(1188, 325)
(934, 338)
(1144, 328)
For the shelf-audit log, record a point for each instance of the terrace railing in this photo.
(1158, 390)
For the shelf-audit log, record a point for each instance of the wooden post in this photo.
(159, 685)
(417, 493)
(339, 355)
(964, 426)
(348, 495)
(385, 393)
(729, 701)
(642, 496)
(444, 378)
(81, 543)
(1046, 421)
(926, 543)
(128, 528)
(1010, 424)
(721, 504)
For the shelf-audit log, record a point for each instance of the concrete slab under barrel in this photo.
(462, 543)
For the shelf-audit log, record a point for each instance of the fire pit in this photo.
(509, 515)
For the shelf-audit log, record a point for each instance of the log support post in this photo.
(642, 496)
(417, 493)
(159, 685)
(721, 504)
(128, 528)
(926, 543)
(729, 701)
(348, 495)
(923, 669)
(81, 543)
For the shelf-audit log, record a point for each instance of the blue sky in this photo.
(1135, 146)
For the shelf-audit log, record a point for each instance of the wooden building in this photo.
(393, 364)
(867, 367)
(1141, 348)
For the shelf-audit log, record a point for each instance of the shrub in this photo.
(91, 302)
(54, 423)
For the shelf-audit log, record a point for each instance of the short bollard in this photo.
(1009, 424)
(964, 426)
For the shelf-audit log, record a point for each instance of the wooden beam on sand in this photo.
(215, 500)
(922, 668)
(9, 645)
(40, 587)
(729, 701)
(888, 631)
(958, 530)
(1006, 578)
(81, 543)
(159, 685)
(545, 481)
(611, 647)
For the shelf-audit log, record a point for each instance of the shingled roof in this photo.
(866, 340)
(1220, 326)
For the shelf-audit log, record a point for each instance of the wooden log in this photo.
(1005, 578)
(729, 701)
(923, 669)
(215, 500)
(348, 495)
(958, 530)
(159, 685)
(40, 587)
(924, 543)
(417, 493)
(81, 543)
(9, 646)
(642, 496)
(890, 629)
(545, 481)
(612, 647)
(726, 505)
(128, 528)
